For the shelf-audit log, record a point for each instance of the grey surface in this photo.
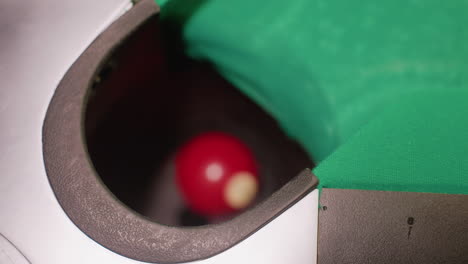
(358, 226)
(10, 254)
(39, 41)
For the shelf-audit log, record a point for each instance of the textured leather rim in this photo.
(93, 208)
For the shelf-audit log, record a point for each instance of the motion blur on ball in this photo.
(216, 174)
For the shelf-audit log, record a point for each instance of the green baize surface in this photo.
(375, 91)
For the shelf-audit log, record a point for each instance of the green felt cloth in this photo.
(419, 144)
(375, 91)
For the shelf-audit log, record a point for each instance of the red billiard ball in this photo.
(216, 174)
